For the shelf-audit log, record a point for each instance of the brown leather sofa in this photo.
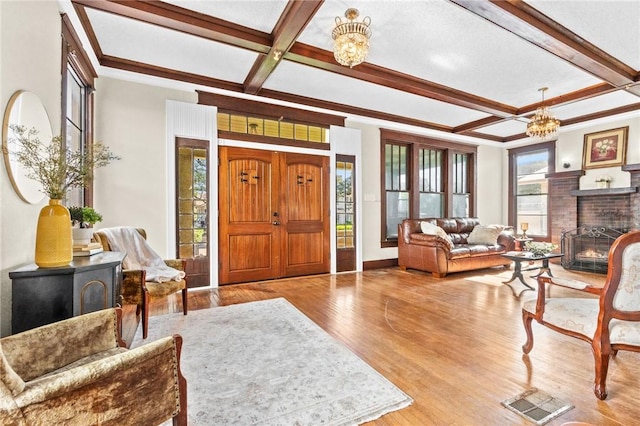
(431, 253)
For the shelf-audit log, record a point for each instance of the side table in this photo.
(44, 295)
(524, 256)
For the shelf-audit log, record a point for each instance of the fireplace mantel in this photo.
(604, 191)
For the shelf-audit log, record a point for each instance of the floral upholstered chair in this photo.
(609, 323)
(77, 372)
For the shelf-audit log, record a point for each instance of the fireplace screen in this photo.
(587, 248)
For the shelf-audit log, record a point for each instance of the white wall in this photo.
(491, 187)
(30, 55)
(130, 118)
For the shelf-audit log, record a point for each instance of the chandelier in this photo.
(351, 39)
(543, 125)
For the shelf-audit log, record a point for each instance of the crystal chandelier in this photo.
(543, 125)
(351, 39)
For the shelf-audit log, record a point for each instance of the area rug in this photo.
(266, 363)
(537, 406)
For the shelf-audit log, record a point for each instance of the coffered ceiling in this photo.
(467, 67)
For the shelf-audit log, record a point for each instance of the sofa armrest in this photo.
(428, 240)
(507, 239)
(55, 345)
(142, 385)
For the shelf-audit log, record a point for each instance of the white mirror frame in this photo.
(24, 109)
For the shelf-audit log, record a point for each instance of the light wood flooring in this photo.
(452, 344)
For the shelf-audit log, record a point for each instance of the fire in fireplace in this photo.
(587, 248)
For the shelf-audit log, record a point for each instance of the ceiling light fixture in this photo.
(543, 125)
(351, 39)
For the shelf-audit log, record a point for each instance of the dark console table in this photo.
(45, 295)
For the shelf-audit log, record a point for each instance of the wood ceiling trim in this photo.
(152, 70)
(138, 67)
(602, 114)
(88, 29)
(172, 17)
(292, 22)
(261, 109)
(184, 20)
(529, 24)
(578, 95)
(179, 19)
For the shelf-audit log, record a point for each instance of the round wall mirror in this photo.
(24, 109)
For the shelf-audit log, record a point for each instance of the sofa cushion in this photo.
(484, 235)
(9, 377)
(431, 229)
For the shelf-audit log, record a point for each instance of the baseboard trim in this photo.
(378, 264)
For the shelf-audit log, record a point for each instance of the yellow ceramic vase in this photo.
(53, 236)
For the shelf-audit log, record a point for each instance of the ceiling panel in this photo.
(612, 25)
(130, 39)
(506, 128)
(260, 15)
(311, 82)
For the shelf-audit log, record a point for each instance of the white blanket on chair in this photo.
(140, 255)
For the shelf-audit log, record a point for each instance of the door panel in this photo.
(274, 215)
(249, 242)
(305, 196)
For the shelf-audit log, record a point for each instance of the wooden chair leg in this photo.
(184, 300)
(145, 315)
(602, 367)
(138, 309)
(527, 318)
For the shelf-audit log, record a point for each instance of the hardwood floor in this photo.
(452, 344)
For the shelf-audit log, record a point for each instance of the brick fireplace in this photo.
(596, 214)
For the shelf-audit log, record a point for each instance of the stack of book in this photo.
(87, 249)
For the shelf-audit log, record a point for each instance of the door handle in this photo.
(275, 222)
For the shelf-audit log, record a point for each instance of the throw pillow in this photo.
(484, 235)
(431, 229)
(9, 377)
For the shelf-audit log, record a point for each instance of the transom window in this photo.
(271, 127)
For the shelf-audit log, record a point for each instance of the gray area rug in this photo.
(266, 363)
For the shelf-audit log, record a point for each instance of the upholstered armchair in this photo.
(78, 372)
(609, 323)
(136, 290)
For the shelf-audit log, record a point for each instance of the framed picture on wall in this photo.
(605, 149)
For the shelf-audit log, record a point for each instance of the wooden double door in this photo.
(273, 215)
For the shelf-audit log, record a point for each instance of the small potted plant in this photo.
(82, 220)
(539, 249)
(604, 181)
